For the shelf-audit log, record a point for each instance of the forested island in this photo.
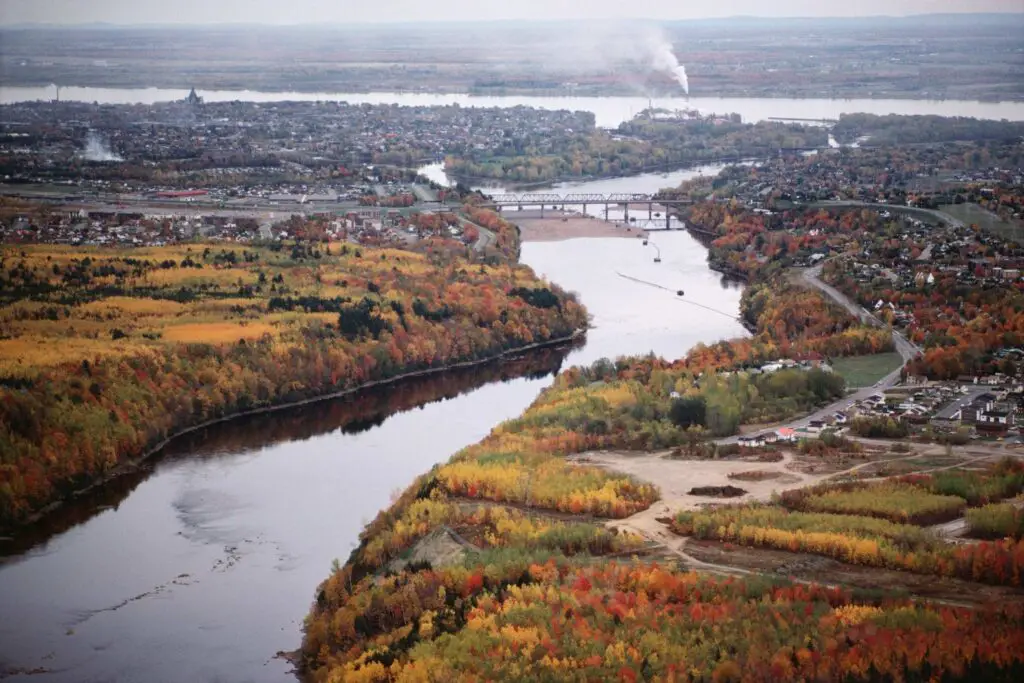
(653, 141)
(658, 140)
(106, 352)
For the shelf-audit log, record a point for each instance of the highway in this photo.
(258, 209)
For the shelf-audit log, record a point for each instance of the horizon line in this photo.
(435, 22)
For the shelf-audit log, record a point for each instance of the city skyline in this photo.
(192, 12)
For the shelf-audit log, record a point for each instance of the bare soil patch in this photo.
(765, 475)
(438, 548)
(900, 467)
(557, 226)
(825, 570)
(677, 478)
(828, 464)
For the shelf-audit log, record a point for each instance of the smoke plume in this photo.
(630, 50)
(664, 61)
(96, 149)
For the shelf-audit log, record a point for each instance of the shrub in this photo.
(1006, 479)
(856, 540)
(879, 428)
(999, 520)
(891, 500)
(689, 412)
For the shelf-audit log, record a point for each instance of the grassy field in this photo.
(986, 220)
(863, 371)
(66, 305)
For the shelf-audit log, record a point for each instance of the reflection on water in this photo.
(731, 283)
(364, 410)
(352, 414)
(201, 565)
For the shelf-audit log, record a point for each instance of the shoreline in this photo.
(455, 90)
(673, 167)
(133, 464)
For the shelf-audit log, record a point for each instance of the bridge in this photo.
(792, 119)
(546, 200)
(550, 199)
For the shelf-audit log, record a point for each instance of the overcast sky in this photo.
(340, 11)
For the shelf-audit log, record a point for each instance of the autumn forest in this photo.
(106, 353)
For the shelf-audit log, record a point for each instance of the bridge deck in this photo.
(536, 198)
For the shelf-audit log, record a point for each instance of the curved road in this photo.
(906, 349)
(940, 216)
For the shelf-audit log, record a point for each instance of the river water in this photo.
(609, 111)
(202, 566)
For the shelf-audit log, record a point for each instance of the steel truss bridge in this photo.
(553, 200)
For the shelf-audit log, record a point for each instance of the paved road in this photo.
(487, 237)
(896, 208)
(906, 349)
(424, 193)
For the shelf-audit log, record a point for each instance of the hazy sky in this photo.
(339, 11)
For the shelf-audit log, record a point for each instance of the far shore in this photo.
(557, 226)
(131, 464)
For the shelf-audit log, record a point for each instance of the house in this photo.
(995, 422)
(820, 425)
(786, 434)
(1000, 418)
(816, 426)
(983, 414)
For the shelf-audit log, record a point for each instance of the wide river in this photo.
(609, 111)
(202, 566)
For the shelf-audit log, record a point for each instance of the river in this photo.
(201, 566)
(608, 111)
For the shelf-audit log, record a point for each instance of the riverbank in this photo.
(133, 464)
(215, 333)
(505, 185)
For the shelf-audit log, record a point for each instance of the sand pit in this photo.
(676, 478)
(556, 226)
